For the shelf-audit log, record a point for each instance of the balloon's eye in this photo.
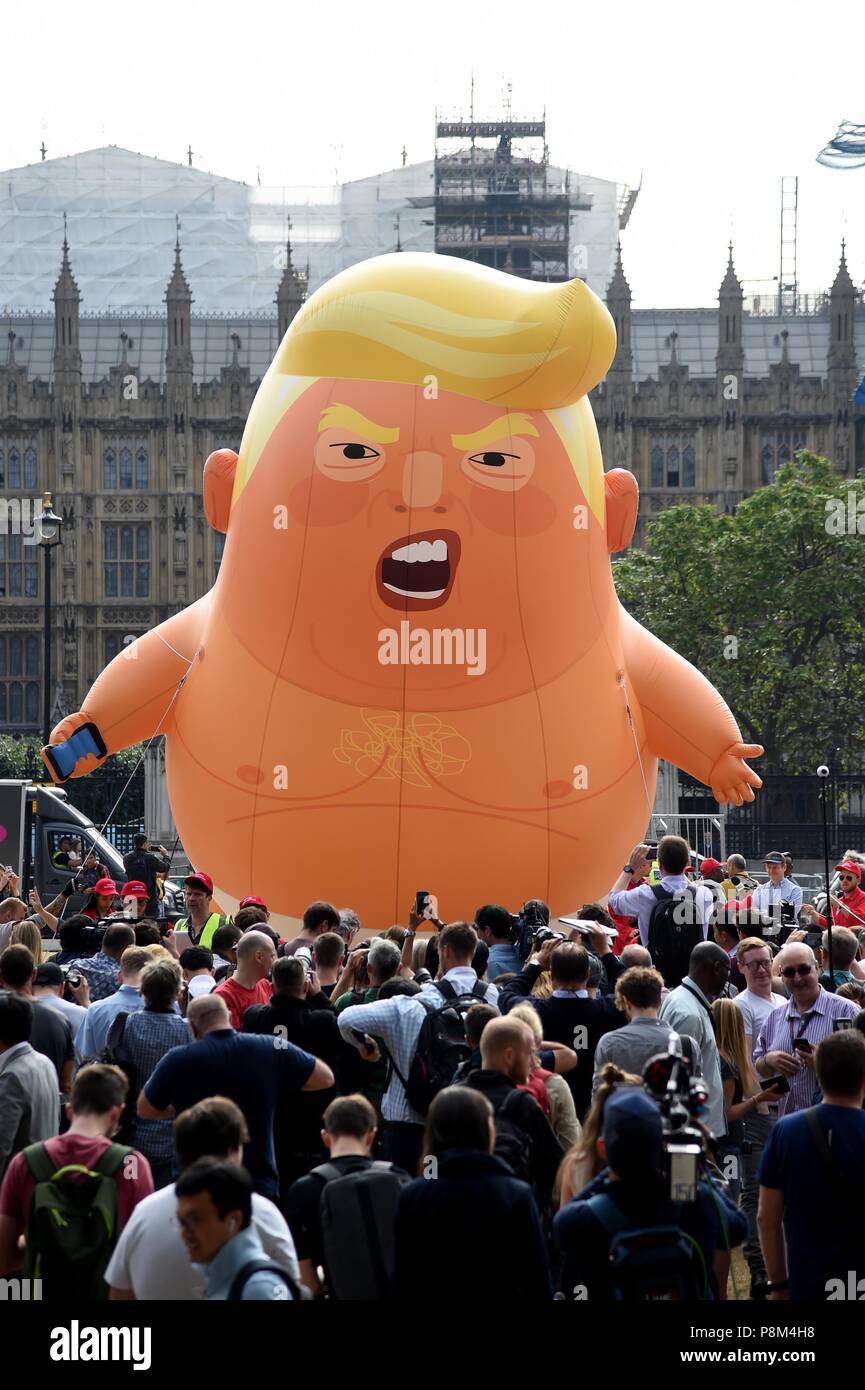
(492, 459)
(356, 451)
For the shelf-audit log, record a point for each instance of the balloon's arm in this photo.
(686, 720)
(131, 700)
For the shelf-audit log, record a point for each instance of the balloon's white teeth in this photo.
(411, 593)
(420, 551)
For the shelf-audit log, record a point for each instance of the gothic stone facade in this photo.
(123, 458)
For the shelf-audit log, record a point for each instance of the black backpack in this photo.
(117, 1055)
(513, 1144)
(650, 1263)
(674, 931)
(238, 1283)
(358, 1212)
(441, 1045)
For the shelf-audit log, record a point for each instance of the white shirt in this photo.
(640, 902)
(756, 1010)
(151, 1260)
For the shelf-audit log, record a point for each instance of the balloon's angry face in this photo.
(388, 546)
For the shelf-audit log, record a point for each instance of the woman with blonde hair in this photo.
(583, 1162)
(560, 1108)
(27, 934)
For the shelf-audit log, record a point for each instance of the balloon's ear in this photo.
(218, 487)
(622, 494)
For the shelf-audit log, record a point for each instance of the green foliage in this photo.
(95, 794)
(778, 580)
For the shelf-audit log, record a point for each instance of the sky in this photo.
(708, 105)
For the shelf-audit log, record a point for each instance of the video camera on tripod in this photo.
(681, 1099)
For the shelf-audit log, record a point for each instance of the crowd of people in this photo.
(604, 1107)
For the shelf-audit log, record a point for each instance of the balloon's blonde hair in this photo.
(418, 319)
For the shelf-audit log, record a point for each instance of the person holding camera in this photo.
(632, 1194)
(790, 1035)
(780, 897)
(495, 925)
(142, 865)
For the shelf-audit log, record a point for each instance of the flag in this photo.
(846, 149)
(859, 398)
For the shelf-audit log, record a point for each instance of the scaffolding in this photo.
(498, 202)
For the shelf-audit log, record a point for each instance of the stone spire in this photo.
(730, 356)
(67, 303)
(619, 305)
(842, 306)
(178, 298)
(292, 289)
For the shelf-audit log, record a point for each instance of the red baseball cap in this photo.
(200, 880)
(105, 887)
(134, 889)
(710, 866)
(251, 900)
(851, 868)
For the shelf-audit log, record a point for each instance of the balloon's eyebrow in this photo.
(505, 427)
(347, 418)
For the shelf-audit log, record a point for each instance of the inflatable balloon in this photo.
(413, 671)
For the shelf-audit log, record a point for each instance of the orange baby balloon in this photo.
(413, 670)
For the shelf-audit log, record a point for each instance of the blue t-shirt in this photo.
(503, 961)
(248, 1069)
(823, 1218)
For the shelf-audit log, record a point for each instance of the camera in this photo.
(681, 1099)
(533, 916)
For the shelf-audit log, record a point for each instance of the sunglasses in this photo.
(848, 878)
(790, 971)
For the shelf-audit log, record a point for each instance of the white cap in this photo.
(201, 984)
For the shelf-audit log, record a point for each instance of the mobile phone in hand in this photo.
(803, 1045)
(776, 1083)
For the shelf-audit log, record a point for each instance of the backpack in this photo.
(357, 1212)
(674, 931)
(650, 1263)
(72, 1226)
(238, 1283)
(115, 1053)
(441, 1045)
(513, 1144)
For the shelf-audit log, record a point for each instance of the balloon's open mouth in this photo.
(418, 571)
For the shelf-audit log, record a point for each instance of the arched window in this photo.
(112, 646)
(784, 453)
(16, 657)
(142, 567)
(126, 468)
(30, 467)
(142, 468)
(688, 468)
(767, 460)
(32, 657)
(14, 468)
(109, 469)
(2, 656)
(672, 466)
(657, 466)
(16, 704)
(32, 702)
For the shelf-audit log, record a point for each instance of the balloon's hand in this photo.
(76, 748)
(731, 779)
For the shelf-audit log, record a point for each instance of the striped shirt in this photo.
(784, 1024)
(397, 1022)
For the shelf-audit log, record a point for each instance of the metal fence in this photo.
(97, 796)
(787, 815)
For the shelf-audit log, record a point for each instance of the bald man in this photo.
(523, 1135)
(248, 1069)
(249, 984)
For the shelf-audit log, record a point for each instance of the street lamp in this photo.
(50, 529)
(823, 774)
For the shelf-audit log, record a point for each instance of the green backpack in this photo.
(72, 1226)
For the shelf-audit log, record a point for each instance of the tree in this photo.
(769, 603)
